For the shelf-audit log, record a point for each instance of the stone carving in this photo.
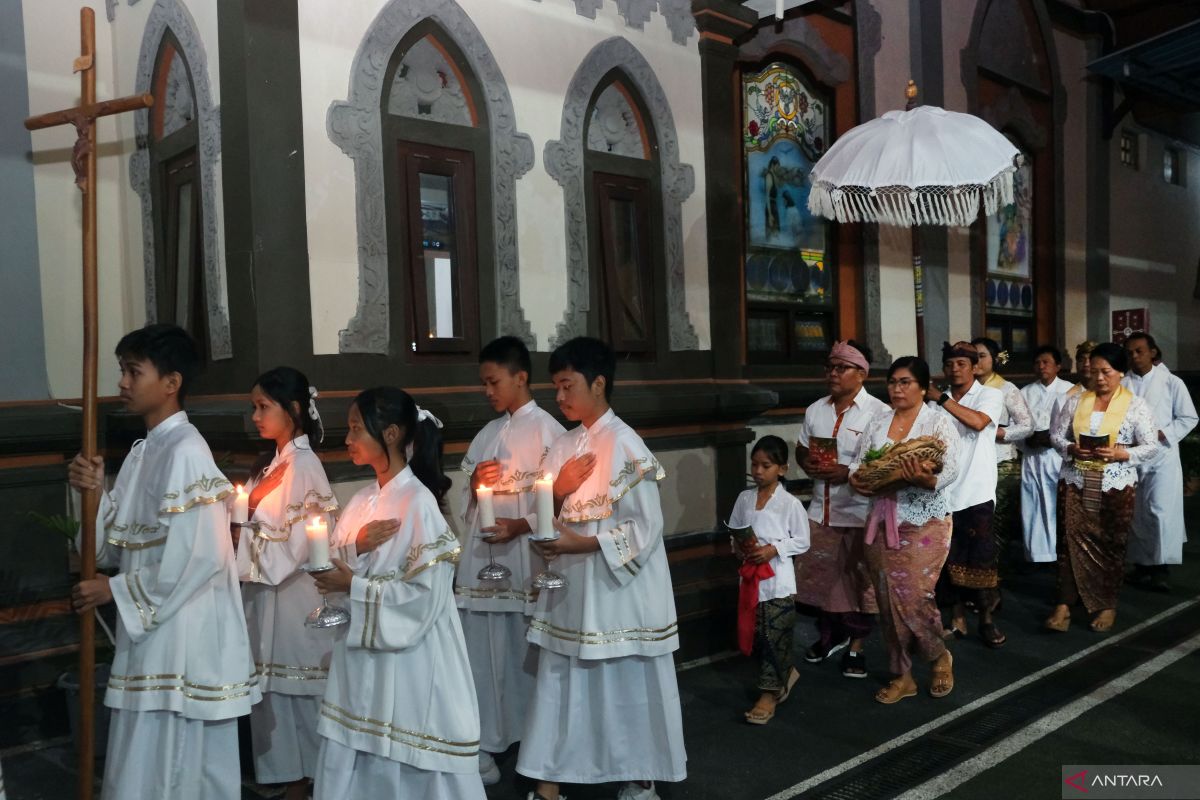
(173, 15)
(179, 107)
(636, 12)
(425, 87)
(564, 163)
(588, 8)
(614, 126)
(354, 126)
(678, 14)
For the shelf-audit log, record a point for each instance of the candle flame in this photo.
(241, 489)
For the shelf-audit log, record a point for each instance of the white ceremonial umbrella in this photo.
(921, 166)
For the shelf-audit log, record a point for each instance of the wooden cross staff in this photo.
(83, 158)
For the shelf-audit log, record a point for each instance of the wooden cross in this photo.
(83, 158)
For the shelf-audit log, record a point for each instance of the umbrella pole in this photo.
(918, 289)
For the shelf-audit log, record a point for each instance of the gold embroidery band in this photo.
(451, 556)
(125, 544)
(137, 581)
(136, 604)
(290, 673)
(190, 690)
(196, 501)
(420, 741)
(414, 554)
(574, 513)
(477, 593)
(606, 637)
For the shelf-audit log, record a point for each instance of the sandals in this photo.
(786, 691)
(854, 664)
(760, 715)
(1104, 620)
(943, 678)
(1059, 622)
(991, 635)
(955, 630)
(895, 691)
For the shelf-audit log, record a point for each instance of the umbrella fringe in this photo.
(946, 206)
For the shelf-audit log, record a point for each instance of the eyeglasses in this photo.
(838, 369)
(902, 383)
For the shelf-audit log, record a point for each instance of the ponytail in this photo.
(421, 436)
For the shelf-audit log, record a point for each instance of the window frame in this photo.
(648, 172)
(479, 287)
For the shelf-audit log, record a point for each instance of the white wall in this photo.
(537, 76)
(52, 44)
(1154, 244)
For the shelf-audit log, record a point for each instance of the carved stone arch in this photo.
(173, 15)
(564, 163)
(354, 125)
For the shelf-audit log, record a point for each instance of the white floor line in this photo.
(724, 655)
(920, 731)
(1048, 724)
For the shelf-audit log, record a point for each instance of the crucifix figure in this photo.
(83, 118)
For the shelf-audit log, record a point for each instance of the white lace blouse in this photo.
(1138, 435)
(914, 505)
(1016, 420)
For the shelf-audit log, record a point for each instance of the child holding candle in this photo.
(606, 704)
(399, 718)
(287, 486)
(767, 616)
(503, 461)
(181, 673)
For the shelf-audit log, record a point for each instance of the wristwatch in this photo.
(941, 401)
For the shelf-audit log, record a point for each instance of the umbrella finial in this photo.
(910, 92)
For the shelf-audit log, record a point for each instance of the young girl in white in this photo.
(399, 717)
(291, 661)
(766, 612)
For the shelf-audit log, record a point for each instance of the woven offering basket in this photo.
(885, 474)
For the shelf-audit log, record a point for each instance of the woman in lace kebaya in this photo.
(1099, 487)
(907, 534)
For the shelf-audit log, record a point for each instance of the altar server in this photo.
(1042, 464)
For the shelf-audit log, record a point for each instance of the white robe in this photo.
(607, 637)
(399, 691)
(290, 659)
(1040, 469)
(1158, 530)
(182, 645)
(1016, 421)
(495, 613)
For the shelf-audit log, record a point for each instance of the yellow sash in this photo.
(995, 381)
(1118, 406)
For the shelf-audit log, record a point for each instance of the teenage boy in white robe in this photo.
(1157, 535)
(506, 457)
(182, 672)
(1042, 464)
(606, 704)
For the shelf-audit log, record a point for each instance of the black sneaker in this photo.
(819, 652)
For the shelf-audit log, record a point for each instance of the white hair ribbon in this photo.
(424, 414)
(313, 394)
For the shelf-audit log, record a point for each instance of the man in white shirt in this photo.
(1157, 535)
(832, 575)
(971, 571)
(1042, 464)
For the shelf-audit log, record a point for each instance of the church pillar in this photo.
(262, 146)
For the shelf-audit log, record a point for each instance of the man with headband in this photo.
(832, 575)
(971, 570)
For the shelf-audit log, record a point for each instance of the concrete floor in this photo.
(1126, 697)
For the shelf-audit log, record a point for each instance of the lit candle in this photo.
(487, 512)
(241, 506)
(544, 492)
(318, 543)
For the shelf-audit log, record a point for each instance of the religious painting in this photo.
(1009, 288)
(784, 134)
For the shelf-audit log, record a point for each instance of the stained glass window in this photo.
(788, 278)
